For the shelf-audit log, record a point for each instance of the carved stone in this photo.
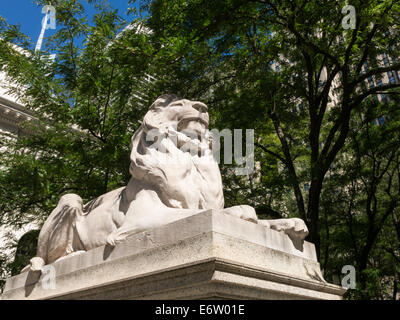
(168, 183)
(209, 255)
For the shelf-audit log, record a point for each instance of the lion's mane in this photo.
(199, 180)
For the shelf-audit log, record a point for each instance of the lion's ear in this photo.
(166, 99)
(153, 118)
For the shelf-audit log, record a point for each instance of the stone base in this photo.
(209, 255)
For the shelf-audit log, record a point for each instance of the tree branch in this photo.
(358, 99)
(270, 152)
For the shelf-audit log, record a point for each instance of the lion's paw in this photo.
(114, 238)
(294, 227)
(36, 265)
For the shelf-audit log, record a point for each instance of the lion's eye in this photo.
(176, 104)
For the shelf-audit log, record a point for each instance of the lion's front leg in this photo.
(122, 233)
(294, 227)
(243, 212)
(144, 220)
(145, 212)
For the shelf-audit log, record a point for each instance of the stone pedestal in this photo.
(209, 255)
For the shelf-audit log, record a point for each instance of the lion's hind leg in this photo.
(58, 236)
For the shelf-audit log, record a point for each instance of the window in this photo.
(371, 82)
(384, 97)
(392, 78)
(385, 59)
(365, 64)
(381, 120)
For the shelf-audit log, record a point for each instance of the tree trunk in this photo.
(313, 215)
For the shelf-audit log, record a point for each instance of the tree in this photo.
(359, 198)
(87, 104)
(287, 69)
(227, 46)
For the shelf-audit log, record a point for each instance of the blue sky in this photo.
(29, 16)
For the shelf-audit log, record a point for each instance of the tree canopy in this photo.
(319, 96)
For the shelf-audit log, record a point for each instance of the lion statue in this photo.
(167, 183)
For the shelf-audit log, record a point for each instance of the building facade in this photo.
(12, 114)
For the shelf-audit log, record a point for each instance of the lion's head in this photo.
(171, 152)
(168, 111)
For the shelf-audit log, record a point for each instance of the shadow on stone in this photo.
(314, 275)
(298, 244)
(31, 280)
(107, 251)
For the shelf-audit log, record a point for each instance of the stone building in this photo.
(12, 114)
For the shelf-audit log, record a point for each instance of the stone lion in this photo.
(167, 183)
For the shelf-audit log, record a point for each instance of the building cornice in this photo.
(14, 112)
